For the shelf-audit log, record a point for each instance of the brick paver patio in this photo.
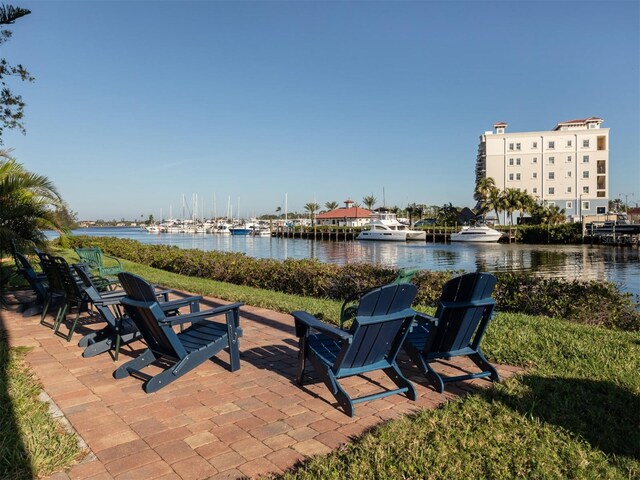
(210, 423)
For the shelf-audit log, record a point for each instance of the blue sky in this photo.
(137, 104)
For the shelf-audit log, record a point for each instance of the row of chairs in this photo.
(383, 323)
(138, 312)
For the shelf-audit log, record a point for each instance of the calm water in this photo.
(616, 264)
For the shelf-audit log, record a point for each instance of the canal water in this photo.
(620, 265)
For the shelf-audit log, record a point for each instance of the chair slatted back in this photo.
(27, 271)
(383, 318)
(66, 274)
(94, 296)
(142, 307)
(90, 255)
(56, 283)
(465, 308)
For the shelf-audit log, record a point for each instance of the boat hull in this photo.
(383, 236)
(476, 235)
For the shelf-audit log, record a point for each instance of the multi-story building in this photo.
(567, 166)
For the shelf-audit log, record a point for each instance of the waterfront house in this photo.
(347, 216)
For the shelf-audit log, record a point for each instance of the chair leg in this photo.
(401, 381)
(73, 326)
(302, 356)
(480, 360)
(45, 309)
(145, 359)
(60, 317)
(434, 377)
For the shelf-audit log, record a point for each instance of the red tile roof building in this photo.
(347, 216)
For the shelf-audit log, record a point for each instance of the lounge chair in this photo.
(183, 351)
(463, 313)
(94, 257)
(37, 282)
(372, 343)
(119, 329)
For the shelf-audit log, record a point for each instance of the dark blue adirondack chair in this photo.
(464, 311)
(119, 329)
(184, 351)
(56, 292)
(74, 296)
(36, 281)
(372, 343)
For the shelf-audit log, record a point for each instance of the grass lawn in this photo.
(574, 413)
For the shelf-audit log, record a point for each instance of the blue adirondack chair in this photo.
(119, 329)
(36, 281)
(464, 311)
(372, 343)
(184, 351)
(56, 292)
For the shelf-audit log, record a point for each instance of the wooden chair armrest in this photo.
(305, 321)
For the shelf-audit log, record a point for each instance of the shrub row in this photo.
(590, 302)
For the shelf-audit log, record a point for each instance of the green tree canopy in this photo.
(11, 104)
(27, 204)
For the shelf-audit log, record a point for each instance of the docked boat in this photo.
(477, 233)
(385, 226)
(152, 228)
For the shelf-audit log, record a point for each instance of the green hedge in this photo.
(590, 302)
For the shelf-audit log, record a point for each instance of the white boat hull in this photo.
(389, 236)
(476, 235)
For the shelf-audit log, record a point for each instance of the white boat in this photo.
(477, 233)
(152, 228)
(385, 226)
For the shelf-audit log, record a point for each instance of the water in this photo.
(620, 265)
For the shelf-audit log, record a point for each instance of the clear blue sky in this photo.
(136, 104)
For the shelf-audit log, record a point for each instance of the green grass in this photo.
(32, 443)
(573, 413)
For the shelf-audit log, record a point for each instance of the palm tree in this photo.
(369, 201)
(27, 203)
(496, 201)
(484, 193)
(511, 198)
(332, 205)
(312, 208)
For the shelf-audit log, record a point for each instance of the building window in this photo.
(568, 158)
(534, 190)
(517, 161)
(511, 176)
(585, 159)
(585, 189)
(534, 175)
(552, 160)
(552, 145)
(551, 204)
(601, 210)
(511, 146)
(585, 143)
(517, 146)
(586, 205)
(568, 143)
(552, 175)
(585, 174)
(517, 176)
(511, 161)
(569, 205)
(534, 145)
(535, 160)
(552, 190)
(568, 189)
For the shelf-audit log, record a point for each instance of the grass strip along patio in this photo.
(574, 412)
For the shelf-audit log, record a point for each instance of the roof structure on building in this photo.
(351, 212)
(578, 121)
(500, 124)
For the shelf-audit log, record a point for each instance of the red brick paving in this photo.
(210, 423)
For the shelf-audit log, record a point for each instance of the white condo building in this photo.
(567, 166)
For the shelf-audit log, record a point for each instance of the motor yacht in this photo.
(385, 226)
(476, 233)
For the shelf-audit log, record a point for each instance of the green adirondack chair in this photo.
(95, 258)
(382, 321)
(464, 311)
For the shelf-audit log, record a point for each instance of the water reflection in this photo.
(617, 264)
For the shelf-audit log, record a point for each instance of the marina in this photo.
(620, 265)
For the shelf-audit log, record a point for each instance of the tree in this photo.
(512, 201)
(484, 194)
(11, 105)
(369, 201)
(312, 208)
(447, 214)
(27, 204)
(332, 205)
(616, 205)
(65, 218)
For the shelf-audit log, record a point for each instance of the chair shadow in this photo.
(601, 412)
